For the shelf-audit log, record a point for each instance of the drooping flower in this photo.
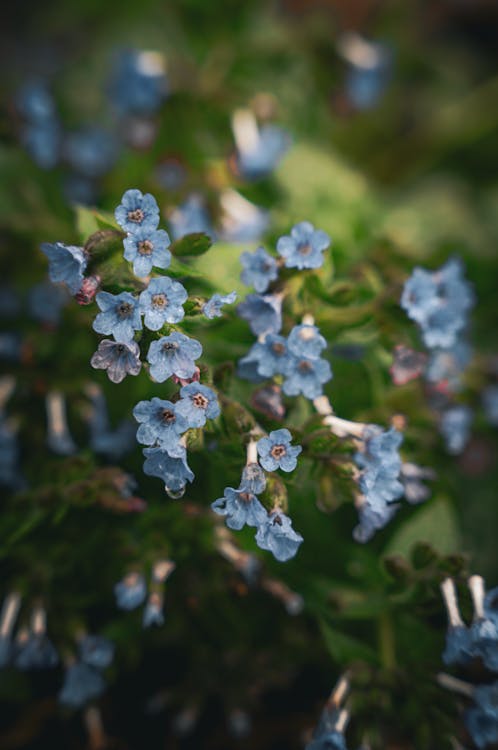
(304, 247)
(160, 422)
(256, 160)
(271, 355)
(277, 535)
(153, 612)
(173, 355)
(81, 684)
(239, 508)
(138, 84)
(262, 312)
(458, 648)
(66, 264)
(306, 341)
(162, 302)
(137, 212)
(35, 651)
(306, 376)
(118, 358)
(484, 629)
(146, 248)
(96, 651)
(260, 269)
(130, 592)
(253, 479)
(276, 451)
(173, 470)
(490, 404)
(455, 427)
(120, 316)
(212, 308)
(197, 404)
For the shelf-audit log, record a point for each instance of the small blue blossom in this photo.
(491, 604)
(239, 508)
(329, 741)
(118, 358)
(276, 451)
(173, 470)
(146, 248)
(304, 247)
(82, 684)
(306, 376)
(160, 422)
(277, 535)
(482, 724)
(91, 151)
(96, 651)
(189, 218)
(455, 427)
(448, 364)
(263, 157)
(263, 313)
(212, 308)
(137, 212)
(197, 403)
(45, 302)
(306, 341)
(366, 79)
(79, 189)
(260, 269)
(36, 652)
(11, 346)
(162, 302)
(66, 264)
(35, 102)
(272, 355)
(42, 141)
(248, 366)
(253, 479)
(490, 404)
(458, 648)
(371, 519)
(120, 316)
(242, 221)
(138, 84)
(111, 443)
(153, 612)
(130, 592)
(173, 355)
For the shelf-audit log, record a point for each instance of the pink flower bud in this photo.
(185, 381)
(87, 290)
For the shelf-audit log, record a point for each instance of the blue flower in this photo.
(242, 221)
(240, 508)
(138, 84)
(482, 724)
(455, 427)
(304, 248)
(260, 269)
(271, 355)
(253, 479)
(306, 376)
(264, 155)
(458, 648)
(371, 519)
(306, 341)
(198, 403)
(120, 315)
(276, 451)
(35, 102)
(130, 592)
(248, 366)
(189, 218)
(367, 79)
(263, 313)
(173, 355)
(491, 604)
(153, 612)
(448, 364)
(81, 684)
(36, 652)
(277, 535)
(162, 302)
(66, 264)
(146, 248)
(137, 212)
(42, 141)
(490, 404)
(173, 470)
(212, 308)
(160, 422)
(119, 359)
(111, 443)
(96, 651)
(330, 741)
(46, 301)
(91, 151)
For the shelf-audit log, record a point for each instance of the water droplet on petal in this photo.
(175, 494)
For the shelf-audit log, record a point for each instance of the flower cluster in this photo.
(131, 592)
(241, 506)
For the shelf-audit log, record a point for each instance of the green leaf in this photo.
(179, 270)
(434, 523)
(89, 221)
(196, 243)
(344, 648)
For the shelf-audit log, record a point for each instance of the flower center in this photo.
(306, 334)
(159, 300)
(136, 216)
(167, 416)
(278, 451)
(169, 346)
(277, 520)
(246, 497)
(305, 366)
(200, 401)
(120, 348)
(145, 247)
(124, 309)
(305, 248)
(278, 348)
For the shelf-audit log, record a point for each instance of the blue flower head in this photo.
(253, 479)
(240, 507)
(458, 648)
(306, 376)
(130, 592)
(371, 519)
(276, 451)
(120, 316)
(455, 427)
(96, 651)
(448, 364)
(306, 341)
(81, 684)
(138, 85)
(173, 470)
(42, 141)
(118, 358)
(212, 308)
(490, 404)
(304, 247)
(36, 652)
(262, 312)
(271, 355)
(191, 217)
(162, 302)
(153, 612)
(146, 248)
(260, 269)
(137, 212)
(160, 422)
(265, 154)
(197, 404)
(66, 264)
(277, 535)
(482, 726)
(330, 741)
(91, 151)
(173, 355)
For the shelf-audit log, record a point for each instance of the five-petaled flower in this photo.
(160, 422)
(197, 404)
(137, 212)
(120, 315)
(276, 451)
(146, 248)
(118, 358)
(162, 302)
(304, 247)
(173, 355)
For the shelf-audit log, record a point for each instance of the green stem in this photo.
(386, 641)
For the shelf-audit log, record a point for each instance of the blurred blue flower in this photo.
(66, 264)
(197, 404)
(264, 155)
(90, 151)
(260, 269)
(212, 308)
(276, 451)
(36, 652)
(130, 592)
(146, 248)
(306, 341)
(137, 212)
(35, 102)
(173, 470)
(153, 612)
(253, 479)
(239, 508)
(173, 355)
(138, 84)
(455, 427)
(271, 355)
(490, 404)
(81, 685)
(118, 358)
(248, 366)
(448, 364)
(304, 247)
(306, 376)
(42, 141)
(330, 741)
(189, 218)
(96, 651)
(371, 519)
(120, 315)
(45, 302)
(482, 725)
(263, 313)
(277, 536)
(161, 423)
(162, 302)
